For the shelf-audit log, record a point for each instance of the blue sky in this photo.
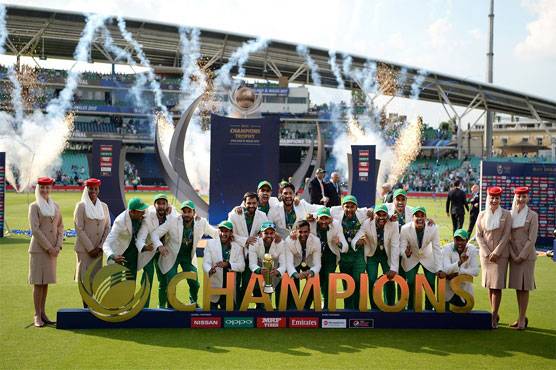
(439, 35)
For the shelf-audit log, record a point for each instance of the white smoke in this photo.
(238, 57)
(335, 69)
(155, 86)
(310, 62)
(16, 98)
(193, 82)
(3, 29)
(34, 144)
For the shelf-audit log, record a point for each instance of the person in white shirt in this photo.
(221, 256)
(459, 258)
(380, 239)
(303, 251)
(420, 246)
(182, 233)
(268, 243)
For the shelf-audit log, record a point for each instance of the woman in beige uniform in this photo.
(92, 224)
(46, 224)
(494, 226)
(525, 226)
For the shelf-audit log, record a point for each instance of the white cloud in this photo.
(439, 33)
(541, 33)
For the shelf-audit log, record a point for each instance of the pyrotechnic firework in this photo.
(406, 149)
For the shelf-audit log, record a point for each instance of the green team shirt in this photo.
(323, 236)
(420, 234)
(249, 220)
(226, 250)
(351, 226)
(186, 242)
(264, 208)
(290, 218)
(380, 250)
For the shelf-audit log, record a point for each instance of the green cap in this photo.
(419, 209)
(188, 204)
(137, 204)
(160, 196)
(381, 208)
(320, 170)
(400, 192)
(226, 224)
(283, 183)
(462, 233)
(323, 212)
(349, 199)
(264, 183)
(267, 225)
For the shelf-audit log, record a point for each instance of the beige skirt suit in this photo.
(497, 241)
(522, 244)
(48, 232)
(91, 234)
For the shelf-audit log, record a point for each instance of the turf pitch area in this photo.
(27, 347)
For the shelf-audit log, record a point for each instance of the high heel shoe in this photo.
(47, 321)
(38, 323)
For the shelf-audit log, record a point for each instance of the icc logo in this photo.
(499, 169)
(110, 293)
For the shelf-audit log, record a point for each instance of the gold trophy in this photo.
(268, 264)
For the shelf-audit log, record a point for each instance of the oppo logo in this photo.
(238, 322)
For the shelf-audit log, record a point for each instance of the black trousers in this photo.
(457, 220)
(472, 221)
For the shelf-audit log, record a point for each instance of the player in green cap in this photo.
(333, 244)
(223, 255)
(420, 246)
(119, 246)
(266, 200)
(182, 233)
(352, 262)
(149, 261)
(459, 258)
(381, 240)
(399, 208)
(269, 242)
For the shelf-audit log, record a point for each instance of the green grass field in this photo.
(24, 346)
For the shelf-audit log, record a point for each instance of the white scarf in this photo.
(518, 217)
(93, 211)
(492, 220)
(47, 208)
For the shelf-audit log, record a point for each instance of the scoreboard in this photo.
(541, 180)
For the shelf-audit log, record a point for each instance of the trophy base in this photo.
(268, 290)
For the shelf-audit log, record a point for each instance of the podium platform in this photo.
(70, 319)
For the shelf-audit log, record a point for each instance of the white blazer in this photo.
(295, 256)
(335, 229)
(277, 251)
(241, 234)
(174, 228)
(337, 213)
(150, 224)
(431, 255)
(278, 215)
(213, 254)
(408, 212)
(119, 237)
(450, 259)
(391, 241)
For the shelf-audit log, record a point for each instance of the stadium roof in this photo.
(53, 33)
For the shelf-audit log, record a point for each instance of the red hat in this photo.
(92, 182)
(521, 190)
(495, 191)
(45, 181)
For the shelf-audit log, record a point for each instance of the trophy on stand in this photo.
(268, 264)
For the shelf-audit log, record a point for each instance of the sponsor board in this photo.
(271, 322)
(334, 323)
(303, 322)
(361, 323)
(239, 322)
(206, 322)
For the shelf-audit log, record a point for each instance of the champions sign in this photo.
(112, 295)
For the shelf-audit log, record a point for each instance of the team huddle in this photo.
(304, 241)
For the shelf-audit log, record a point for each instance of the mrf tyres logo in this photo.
(239, 322)
(271, 322)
